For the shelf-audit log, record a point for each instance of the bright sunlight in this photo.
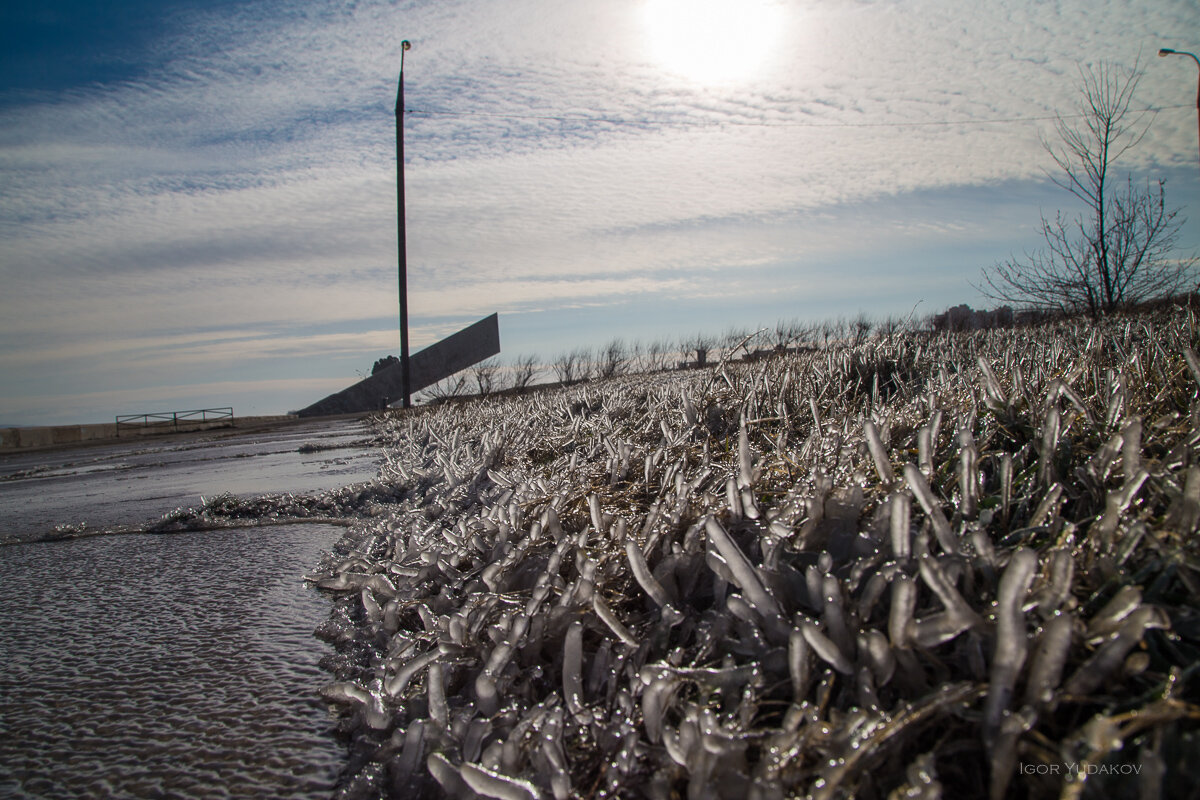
(711, 41)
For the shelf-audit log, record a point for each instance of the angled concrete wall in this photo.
(441, 360)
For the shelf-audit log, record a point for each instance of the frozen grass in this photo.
(953, 565)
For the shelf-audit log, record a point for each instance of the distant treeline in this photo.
(618, 357)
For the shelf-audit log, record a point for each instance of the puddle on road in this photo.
(134, 483)
(179, 666)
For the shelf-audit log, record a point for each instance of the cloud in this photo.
(198, 350)
(241, 193)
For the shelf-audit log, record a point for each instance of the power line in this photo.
(647, 121)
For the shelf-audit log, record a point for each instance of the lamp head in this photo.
(407, 45)
(1166, 51)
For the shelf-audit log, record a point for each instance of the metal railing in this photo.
(173, 419)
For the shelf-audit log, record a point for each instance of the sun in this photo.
(711, 41)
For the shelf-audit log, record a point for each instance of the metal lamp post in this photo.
(404, 367)
(1166, 51)
(433, 363)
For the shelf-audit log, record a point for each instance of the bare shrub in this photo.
(634, 361)
(446, 389)
(831, 331)
(612, 359)
(859, 329)
(524, 369)
(733, 340)
(889, 327)
(658, 355)
(574, 365)
(783, 335)
(485, 374)
(585, 363)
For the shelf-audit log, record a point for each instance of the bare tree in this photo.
(612, 359)
(567, 367)
(785, 333)
(585, 363)
(889, 326)
(700, 344)
(807, 334)
(636, 357)
(859, 329)
(1118, 251)
(524, 369)
(485, 373)
(832, 329)
(658, 354)
(447, 388)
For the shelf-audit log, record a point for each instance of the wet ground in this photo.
(129, 484)
(178, 665)
(167, 665)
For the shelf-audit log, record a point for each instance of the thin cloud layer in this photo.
(238, 193)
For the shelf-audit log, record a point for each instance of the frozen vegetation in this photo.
(919, 565)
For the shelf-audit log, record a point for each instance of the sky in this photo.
(198, 197)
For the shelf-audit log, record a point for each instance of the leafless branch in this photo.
(1119, 250)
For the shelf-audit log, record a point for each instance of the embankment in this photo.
(43, 438)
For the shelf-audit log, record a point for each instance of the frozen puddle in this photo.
(165, 666)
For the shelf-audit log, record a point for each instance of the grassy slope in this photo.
(815, 615)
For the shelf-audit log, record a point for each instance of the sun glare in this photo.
(710, 41)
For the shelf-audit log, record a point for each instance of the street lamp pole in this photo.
(1166, 51)
(404, 370)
